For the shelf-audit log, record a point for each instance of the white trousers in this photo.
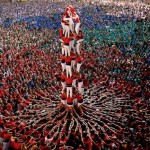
(74, 82)
(69, 91)
(63, 65)
(63, 86)
(68, 70)
(78, 66)
(78, 46)
(72, 44)
(80, 84)
(67, 50)
(73, 62)
(66, 30)
(77, 27)
(64, 102)
(62, 49)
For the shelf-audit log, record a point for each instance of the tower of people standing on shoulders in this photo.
(71, 44)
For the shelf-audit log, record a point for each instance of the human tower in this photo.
(71, 44)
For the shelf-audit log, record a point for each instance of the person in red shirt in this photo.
(66, 44)
(17, 145)
(63, 63)
(73, 60)
(70, 101)
(68, 66)
(69, 81)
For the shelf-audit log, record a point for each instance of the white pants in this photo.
(62, 50)
(80, 84)
(63, 65)
(68, 70)
(63, 26)
(64, 102)
(74, 82)
(63, 86)
(66, 30)
(72, 44)
(69, 91)
(67, 50)
(77, 27)
(78, 66)
(73, 62)
(78, 45)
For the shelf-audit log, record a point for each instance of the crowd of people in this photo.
(115, 112)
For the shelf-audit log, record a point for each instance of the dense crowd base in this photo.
(32, 116)
(115, 113)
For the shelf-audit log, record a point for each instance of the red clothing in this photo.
(17, 146)
(63, 96)
(68, 59)
(69, 99)
(69, 80)
(62, 57)
(79, 97)
(67, 40)
(7, 136)
(77, 20)
(44, 147)
(73, 56)
(78, 59)
(63, 77)
(61, 33)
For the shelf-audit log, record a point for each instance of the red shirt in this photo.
(7, 136)
(63, 96)
(17, 146)
(67, 40)
(69, 80)
(69, 99)
(62, 57)
(63, 77)
(79, 97)
(68, 59)
(78, 59)
(73, 56)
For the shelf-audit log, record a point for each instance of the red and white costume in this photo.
(63, 62)
(66, 45)
(73, 60)
(70, 61)
(69, 81)
(68, 66)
